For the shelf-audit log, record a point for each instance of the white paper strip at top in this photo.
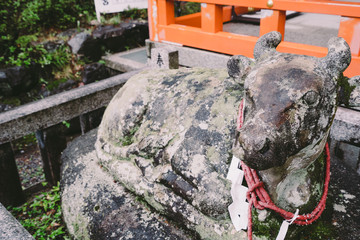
(113, 6)
(235, 174)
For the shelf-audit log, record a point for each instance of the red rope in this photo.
(260, 199)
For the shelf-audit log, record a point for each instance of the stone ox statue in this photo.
(168, 136)
(290, 103)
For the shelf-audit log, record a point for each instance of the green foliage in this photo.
(25, 141)
(12, 101)
(59, 58)
(129, 138)
(22, 20)
(185, 8)
(26, 54)
(318, 230)
(268, 228)
(130, 13)
(42, 217)
(134, 13)
(345, 90)
(67, 124)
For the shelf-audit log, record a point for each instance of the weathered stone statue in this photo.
(168, 138)
(290, 102)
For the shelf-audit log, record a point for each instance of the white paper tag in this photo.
(283, 230)
(285, 225)
(239, 208)
(235, 174)
(238, 192)
(239, 214)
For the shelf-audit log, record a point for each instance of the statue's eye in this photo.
(311, 97)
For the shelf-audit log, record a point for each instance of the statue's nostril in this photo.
(265, 147)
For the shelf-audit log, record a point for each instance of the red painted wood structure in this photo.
(204, 29)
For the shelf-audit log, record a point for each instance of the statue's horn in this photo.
(338, 57)
(267, 43)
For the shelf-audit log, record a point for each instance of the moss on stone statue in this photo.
(345, 90)
(129, 138)
(268, 227)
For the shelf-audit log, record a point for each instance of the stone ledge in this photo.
(10, 228)
(127, 61)
(60, 107)
(191, 57)
(346, 126)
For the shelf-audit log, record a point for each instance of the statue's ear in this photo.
(354, 100)
(338, 57)
(238, 67)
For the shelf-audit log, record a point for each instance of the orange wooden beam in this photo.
(193, 20)
(273, 20)
(230, 43)
(211, 18)
(224, 42)
(234, 44)
(349, 29)
(152, 19)
(354, 68)
(349, 9)
(166, 12)
(210, 36)
(227, 11)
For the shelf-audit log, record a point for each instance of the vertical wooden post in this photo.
(211, 18)
(91, 120)
(272, 20)
(152, 19)
(349, 29)
(51, 143)
(10, 186)
(166, 12)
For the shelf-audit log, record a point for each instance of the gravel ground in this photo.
(28, 161)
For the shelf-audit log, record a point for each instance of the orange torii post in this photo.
(204, 30)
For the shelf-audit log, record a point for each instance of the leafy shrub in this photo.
(42, 217)
(184, 8)
(22, 20)
(134, 13)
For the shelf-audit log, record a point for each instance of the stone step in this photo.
(127, 61)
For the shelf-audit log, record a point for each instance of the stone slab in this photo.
(349, 153)
(346, 126)
(164, 58)
(10, 228)
(191, 57)
(127, 61)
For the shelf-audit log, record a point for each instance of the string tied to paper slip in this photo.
(260, 199)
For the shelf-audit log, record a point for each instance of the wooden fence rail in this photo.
(44, 117)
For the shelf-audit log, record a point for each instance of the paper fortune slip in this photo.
(239, 208)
